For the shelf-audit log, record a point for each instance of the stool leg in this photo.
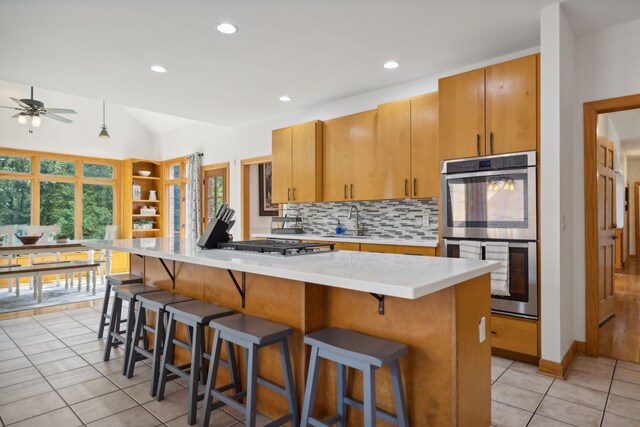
(310, 389)
(252, 385)
(292, 400)
(341, 382)
(369, 391)
(194, 375)
(157, 351)
(233, 367)
(131, 317)
(211, 378)
(115, 320)
(105, 306)
(167, 356)
(141, 321)
(398, 394)
(202, 372)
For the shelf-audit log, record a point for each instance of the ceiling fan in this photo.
(33, 109)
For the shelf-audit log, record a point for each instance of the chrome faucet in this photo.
(359, 228)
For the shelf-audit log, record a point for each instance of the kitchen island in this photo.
(434, 305)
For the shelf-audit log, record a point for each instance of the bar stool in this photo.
(115, 336)
(363, 352)
(114, 280)
(251, 333)
(156, 301)
(195, 315)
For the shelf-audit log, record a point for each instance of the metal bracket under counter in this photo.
(380, 299)
(241, 289)
(171, 273)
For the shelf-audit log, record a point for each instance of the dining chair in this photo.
(104, 257)
(9, 231)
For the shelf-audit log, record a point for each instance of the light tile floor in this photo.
(597, 392)
(52, 373)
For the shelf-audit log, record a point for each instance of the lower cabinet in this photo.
(513, 334)
(388, 249)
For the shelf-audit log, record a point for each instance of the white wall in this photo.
(128, 138)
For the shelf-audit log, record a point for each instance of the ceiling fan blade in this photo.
(22, 104)
(60, 111)
(15, 115)
(11, 108)
(55, 117)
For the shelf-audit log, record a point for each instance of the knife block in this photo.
(216, 232)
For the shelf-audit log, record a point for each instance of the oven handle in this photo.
(456, 242)
(499, 172)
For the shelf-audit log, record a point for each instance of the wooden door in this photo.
(215, 189)
(362, 162)
(512, 106)
(336, 160)
(393, 150)
(425, 161)
(281, 149)
(462, 118)
(606, 227)
(306, 182)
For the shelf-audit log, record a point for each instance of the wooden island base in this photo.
(447, 373)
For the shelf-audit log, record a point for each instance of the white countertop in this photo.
(402, 276)
(431, 243)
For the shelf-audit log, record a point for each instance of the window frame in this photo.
(219, 169)
(77, 180)
(182, 182)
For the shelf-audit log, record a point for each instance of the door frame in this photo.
(218, 166)
(591, 111)
(636, 186)
(245, 191)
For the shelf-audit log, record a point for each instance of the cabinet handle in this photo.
(415, 187)
(294, 194)
(494, 333)
(491, 142)
(289, 194)
(345, 191)
(478, 143)
(351, 191)
(406, 187)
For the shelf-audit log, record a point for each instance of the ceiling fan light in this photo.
(22, 119)
(103, 133)
(36, 121)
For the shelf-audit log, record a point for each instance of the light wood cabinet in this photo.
(513, 334)
(349, 161)
(370, 247)
(415, 250)
(297, 163)
(134, 202)
(492, 110)
(425, 159)
(393, 150)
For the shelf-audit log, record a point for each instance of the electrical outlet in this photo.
(482, 329)
(425, 221)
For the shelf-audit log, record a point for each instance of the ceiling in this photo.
(315, 51)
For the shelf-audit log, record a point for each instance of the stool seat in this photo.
(198, 311)
(155, 300)
(124, 279)
(132, 291)
(356, 346)
(252, 329)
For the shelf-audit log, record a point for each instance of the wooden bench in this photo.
(38, 272)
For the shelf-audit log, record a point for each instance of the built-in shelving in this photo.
(147, 184)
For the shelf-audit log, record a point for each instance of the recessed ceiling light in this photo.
(390, 65)
(226, 28)
(158, 69)
(285, 98)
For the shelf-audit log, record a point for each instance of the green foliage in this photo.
(57, 167)
(15, 164)
(57, 205)
(97, 210)
(15, 202)
(92, 170)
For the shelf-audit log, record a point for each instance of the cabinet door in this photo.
(425, 161)
(362, 161)
(370, 247)
(393, 150)
(512, 106)
(336, 160)
(307, 162)
(281, 149)
(415, 250)
(462, 115)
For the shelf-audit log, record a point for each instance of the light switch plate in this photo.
(482, 329)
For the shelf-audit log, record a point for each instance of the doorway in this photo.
(612, 296)
(246, 192)
(215, 190)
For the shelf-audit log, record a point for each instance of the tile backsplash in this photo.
(389, 219)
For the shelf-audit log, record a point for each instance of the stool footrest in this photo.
(329, 423)
(384, 415)
(230, 400)
(182, 344)
(280, 421)
(272, 386)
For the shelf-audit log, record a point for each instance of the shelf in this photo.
(134, 177)
(146, 230)
(143, 215)
(146, 201)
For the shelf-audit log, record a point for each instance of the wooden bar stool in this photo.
(157, 302)
(251, 333)
(115, 336)
(363, 352)
(114, 280)
(195, 315)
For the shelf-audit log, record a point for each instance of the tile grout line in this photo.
(606, 403)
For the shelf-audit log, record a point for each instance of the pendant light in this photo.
(103, 132)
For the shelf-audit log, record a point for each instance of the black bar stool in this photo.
(114, 280)
(115, 336)
(251, 333)
(195, 315)
(363, 352)
(157, 302)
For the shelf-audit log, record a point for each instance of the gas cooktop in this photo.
(278, 247)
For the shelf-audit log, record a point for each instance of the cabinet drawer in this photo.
(415, 250)
(369, 247)
(339, 246)
(518, 335)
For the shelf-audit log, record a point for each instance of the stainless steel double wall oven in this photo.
(494, 198)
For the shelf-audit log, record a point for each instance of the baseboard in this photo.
(533, 360)
(560, 370)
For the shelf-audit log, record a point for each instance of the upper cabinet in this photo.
(297, 163)
(349, 159)
(492, 110)
(425, 160)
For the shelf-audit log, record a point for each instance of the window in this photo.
(15, 164)
(57, 167)
(174, 210)
(174, 172)
(15, 201)
(57, 205)
(93, 170)
(175, 189)
(97, 210)
(214, 193)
